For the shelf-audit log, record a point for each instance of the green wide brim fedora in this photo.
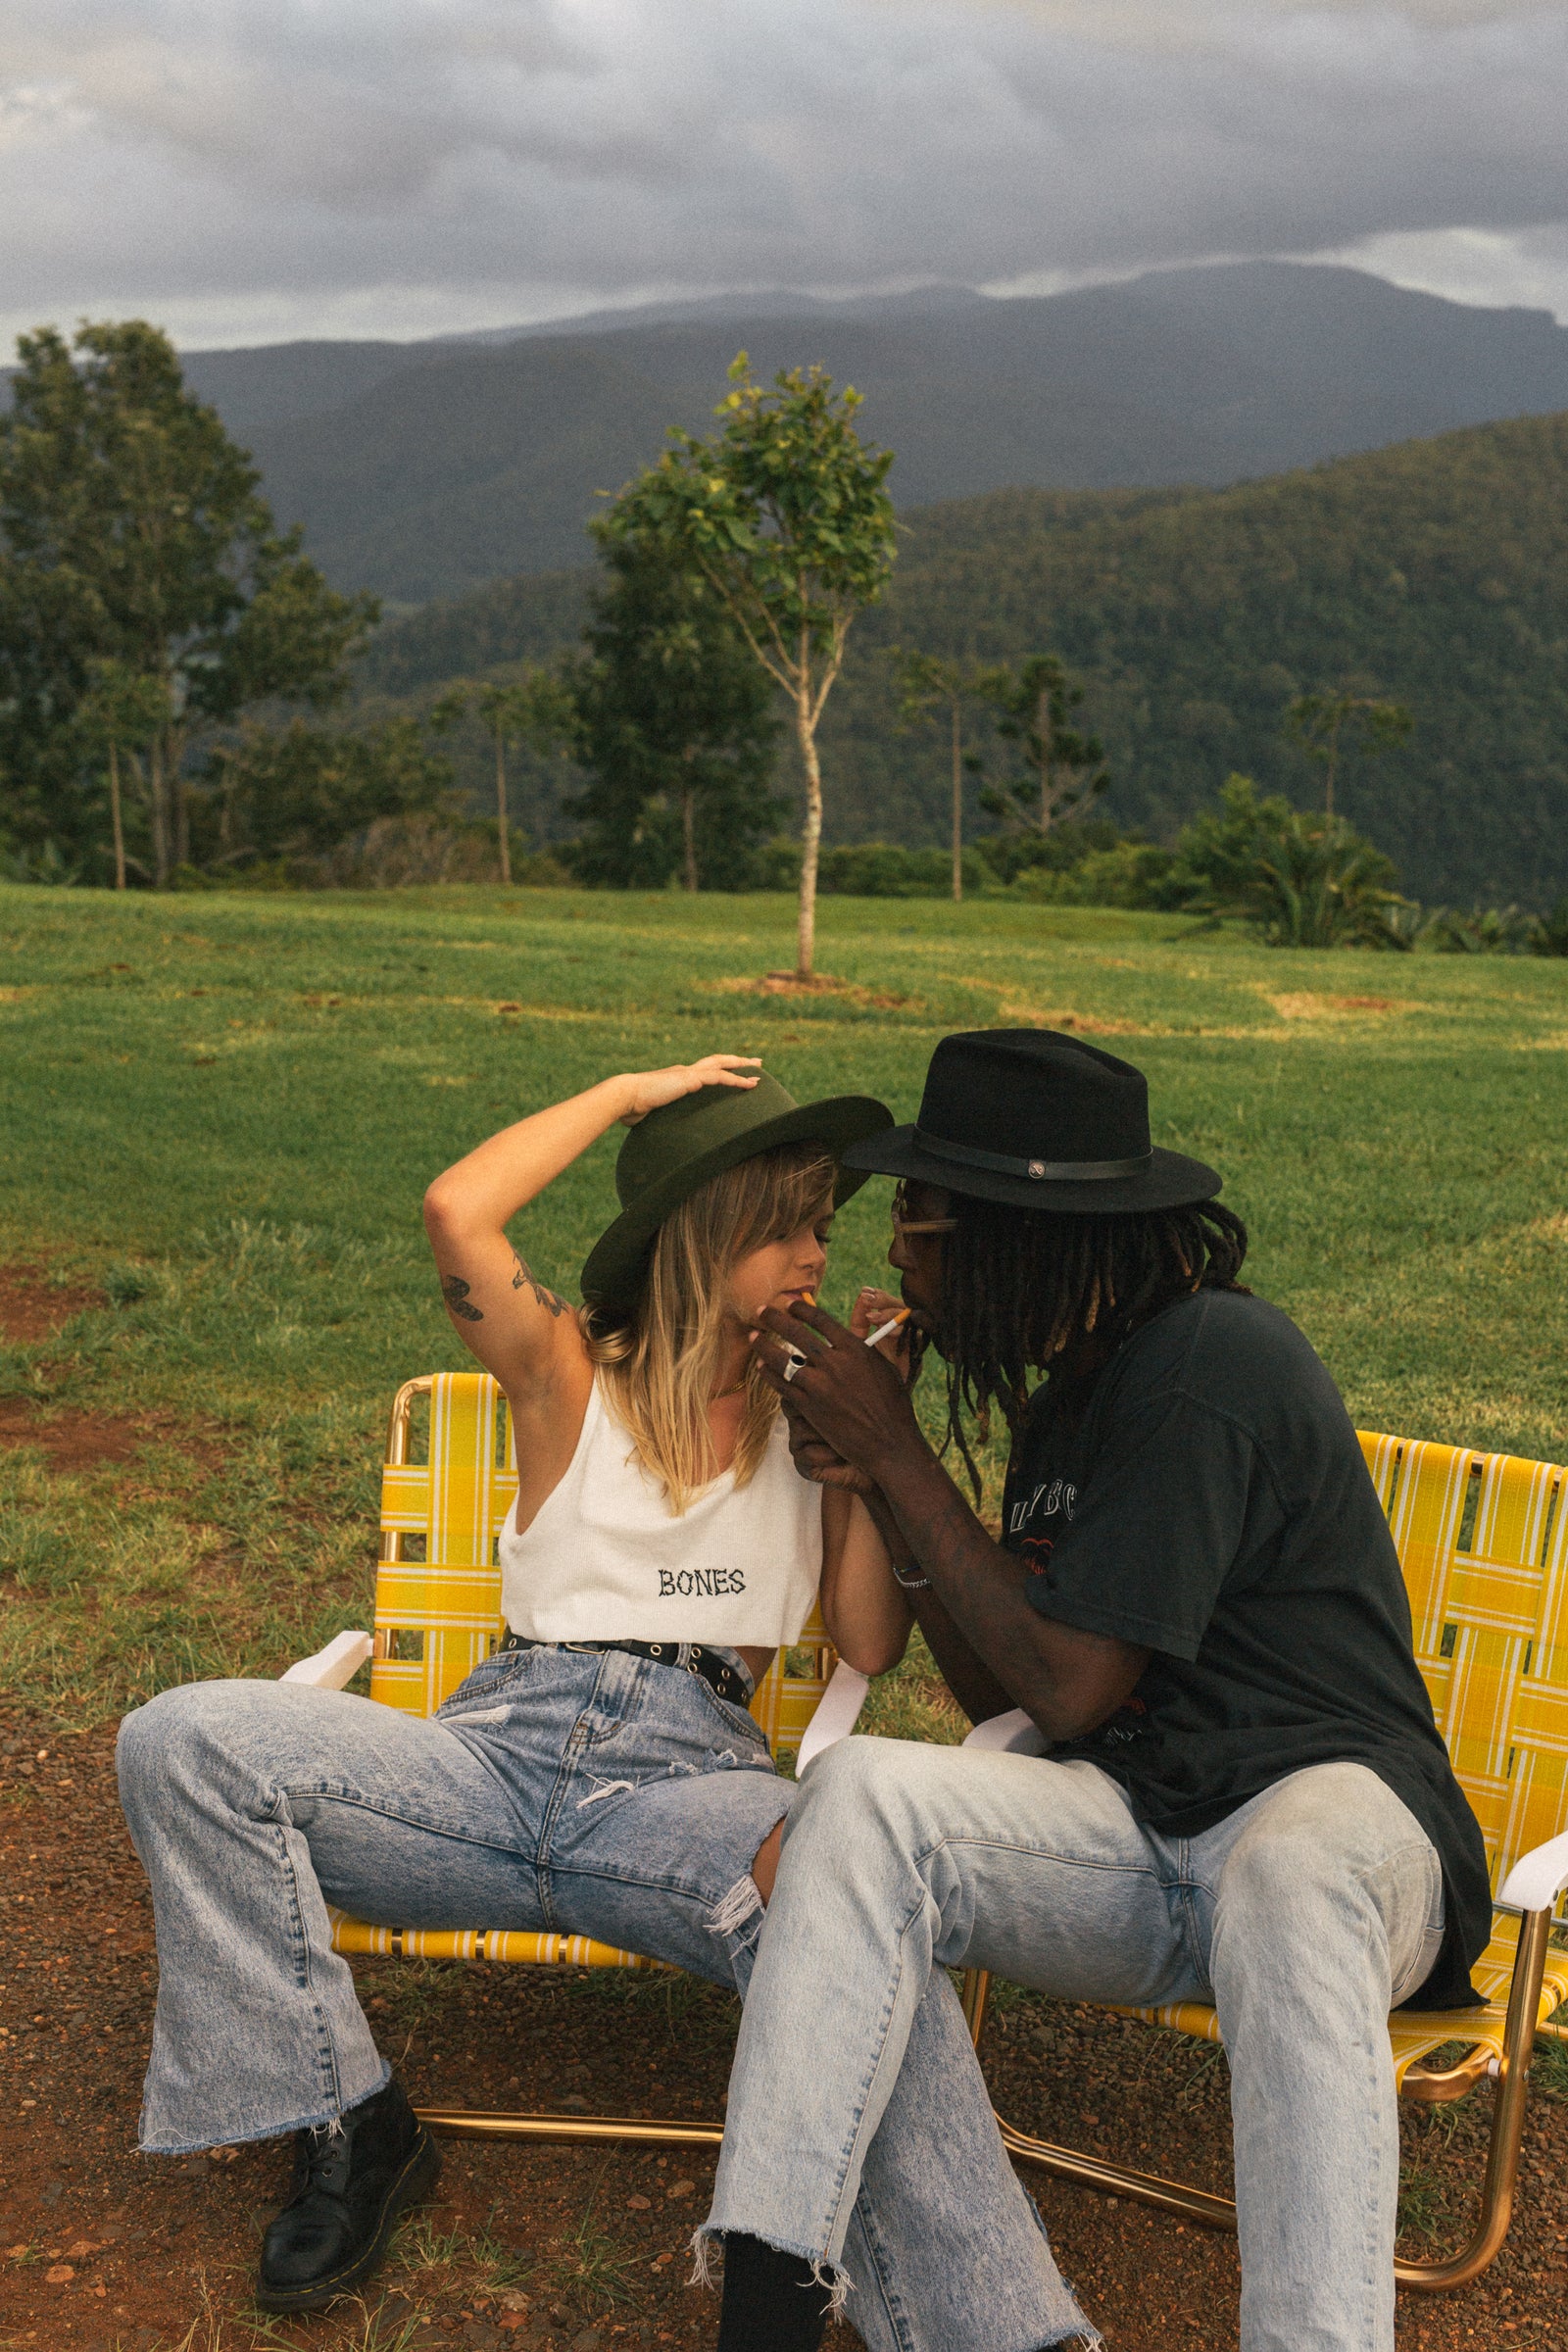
(674, 1151)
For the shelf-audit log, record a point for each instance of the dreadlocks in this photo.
(1019, 1287)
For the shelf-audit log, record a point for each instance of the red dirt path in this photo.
(31, 1306)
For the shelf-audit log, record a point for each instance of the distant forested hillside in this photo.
(1434, 571)
(420, 471)
(525, 620)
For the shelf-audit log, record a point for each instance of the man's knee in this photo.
(149, 1732)
(853, 1775)
(863, 1789)
(1332, 1843)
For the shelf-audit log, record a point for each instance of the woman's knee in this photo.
(177, 1736)
(764, 1862)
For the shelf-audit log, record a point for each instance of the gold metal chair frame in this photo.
(1426, 2084)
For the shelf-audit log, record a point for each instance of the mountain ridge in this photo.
(420, 476)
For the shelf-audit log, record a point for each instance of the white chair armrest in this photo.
(1538, 1879)
(836, 1715)
(1012, 1735)
(334, 1666)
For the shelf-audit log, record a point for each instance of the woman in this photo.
(600, 1774)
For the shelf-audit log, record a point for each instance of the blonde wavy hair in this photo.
(660, 1363)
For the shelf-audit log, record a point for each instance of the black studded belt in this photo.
(716, 1672)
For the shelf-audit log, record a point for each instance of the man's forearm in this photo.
(1066, 1679)
(966, 1673)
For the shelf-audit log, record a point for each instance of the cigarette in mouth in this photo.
(884, 1329)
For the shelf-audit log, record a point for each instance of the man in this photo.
(1197, 1600)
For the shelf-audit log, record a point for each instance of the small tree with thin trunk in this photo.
(535, 708)
(928, 685)
(501, 710)
(124, 710)
(785, 511)
(1063, 768)
(1324, 723)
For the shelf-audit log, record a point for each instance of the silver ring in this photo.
(791, 1366)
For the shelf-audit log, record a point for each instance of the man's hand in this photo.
(845, 1391)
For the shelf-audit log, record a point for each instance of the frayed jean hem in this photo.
(327, 2115)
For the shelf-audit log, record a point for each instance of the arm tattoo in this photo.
(524, 1273)
(455, 1291)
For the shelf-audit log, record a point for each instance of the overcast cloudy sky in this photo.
(247, 170)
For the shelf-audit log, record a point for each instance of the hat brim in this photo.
(618, 1262)
(1170, 1181)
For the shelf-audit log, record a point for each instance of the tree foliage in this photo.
(785, 514)
(1305, 880)
(296, 791)
(1433, 574)
(133, 532)
(674, 725)
(1063, 768)
(1333, 720)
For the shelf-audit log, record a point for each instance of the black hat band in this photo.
(1049, 1171)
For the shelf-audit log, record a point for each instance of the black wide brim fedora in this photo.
(1037, 1120)
(674, 1151)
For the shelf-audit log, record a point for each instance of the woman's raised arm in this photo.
(504, 1314)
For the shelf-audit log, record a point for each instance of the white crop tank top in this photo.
(605, 1559)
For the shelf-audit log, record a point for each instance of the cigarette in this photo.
(891, 1325)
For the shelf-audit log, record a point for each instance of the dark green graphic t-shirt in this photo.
(1212, 1505)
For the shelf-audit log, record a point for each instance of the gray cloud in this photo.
(413, 165)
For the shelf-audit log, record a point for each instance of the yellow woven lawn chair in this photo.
(437, 1615)
(1483, 1541)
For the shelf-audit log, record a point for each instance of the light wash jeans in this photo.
(1303, 1917)
(601, 1796)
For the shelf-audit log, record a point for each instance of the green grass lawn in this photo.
(221, 1111)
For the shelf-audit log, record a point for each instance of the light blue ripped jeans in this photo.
(557, 1789)
(1304, 1917)
(603, 1796)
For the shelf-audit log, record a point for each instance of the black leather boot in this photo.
(348, 2187)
